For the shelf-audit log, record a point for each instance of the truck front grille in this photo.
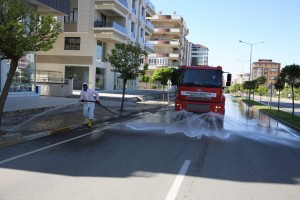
(198, 107)
(198, 98)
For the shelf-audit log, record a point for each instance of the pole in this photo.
(271, 95)
(251, 44)
(250, 70)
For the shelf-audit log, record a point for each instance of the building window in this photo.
(100, 79)
(132, 30)
(273, 69)
(101, 51)
(73, 17)
(72, 43)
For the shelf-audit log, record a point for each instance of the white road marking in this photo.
(178, 181)
(62, 142)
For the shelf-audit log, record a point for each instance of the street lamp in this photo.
(251, 44)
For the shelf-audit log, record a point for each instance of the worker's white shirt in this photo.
(89, 95)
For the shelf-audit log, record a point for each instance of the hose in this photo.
(102, 107)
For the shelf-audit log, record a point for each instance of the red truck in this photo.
(200, 89)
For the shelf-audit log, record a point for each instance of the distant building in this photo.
(169, 41)
(241, 78)
(197, 54)
(267, 68)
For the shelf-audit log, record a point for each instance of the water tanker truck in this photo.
(200, 89)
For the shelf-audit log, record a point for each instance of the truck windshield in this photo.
(201, 77)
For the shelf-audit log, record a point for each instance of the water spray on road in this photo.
(211, 125)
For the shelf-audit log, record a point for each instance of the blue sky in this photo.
(220, 24)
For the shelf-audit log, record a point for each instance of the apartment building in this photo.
(267, 68)
(197, 54)
(91, 31)
(24, 82)
(169, 41)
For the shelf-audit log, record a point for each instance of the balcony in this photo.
(55, 7)
(173, 31)
(149, 27)
(173, 56)
(169, 43)
(149, 46)
(113, 8)
(110, 31)
(150, 8)
(174, 19)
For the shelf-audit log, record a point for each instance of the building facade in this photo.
(197, 54)
(91, 31)
(169, 41)
(266, 68)
(24, 81)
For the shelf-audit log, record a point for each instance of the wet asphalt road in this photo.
(157, 156)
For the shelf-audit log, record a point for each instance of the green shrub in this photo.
(153, 86)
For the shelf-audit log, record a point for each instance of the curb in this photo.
(10, 139)
(280, 120)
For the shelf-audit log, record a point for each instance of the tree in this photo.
(262, 90)
(291, 75)
(249, 85)
(279, 85)
(126, 60)
(145, 79)
(162, 75)
(261, 80)
(22, 30)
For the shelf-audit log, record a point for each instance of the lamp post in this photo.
(251, 44)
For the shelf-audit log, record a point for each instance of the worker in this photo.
(90, 97)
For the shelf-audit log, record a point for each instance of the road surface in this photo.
(162, 155)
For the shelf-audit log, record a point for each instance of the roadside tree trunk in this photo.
(9, 78)
(123, 94)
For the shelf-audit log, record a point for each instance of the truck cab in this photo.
(200, 89)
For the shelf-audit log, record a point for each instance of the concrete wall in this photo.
(56, 89)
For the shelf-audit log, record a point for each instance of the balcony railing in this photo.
(150, 4)
(124, 3)
(149, 44)
(99, 24)
(149, 24)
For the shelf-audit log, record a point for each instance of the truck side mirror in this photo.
(228, 82)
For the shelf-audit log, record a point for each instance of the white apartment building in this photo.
(91, 31)
(24, 82)
(169, 40)
(197, 54)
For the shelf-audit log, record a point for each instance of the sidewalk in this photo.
(31, 117)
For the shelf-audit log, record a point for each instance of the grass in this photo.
(285, 117)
